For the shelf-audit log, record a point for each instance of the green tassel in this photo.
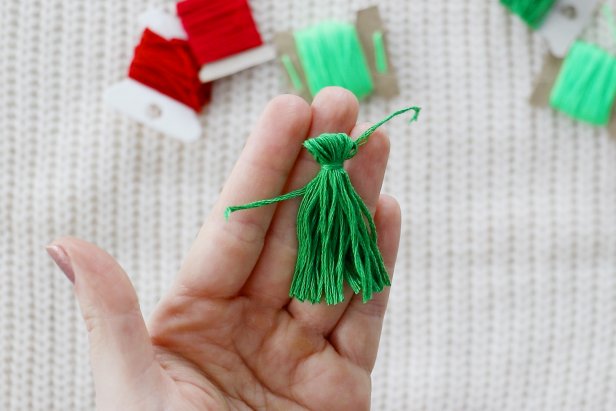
(337, 240)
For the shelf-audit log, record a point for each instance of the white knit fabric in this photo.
(505, 292)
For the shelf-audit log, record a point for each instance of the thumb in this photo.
(121, 351)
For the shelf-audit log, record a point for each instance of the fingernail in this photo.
(59, 256)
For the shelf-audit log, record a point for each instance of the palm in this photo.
(226, 335)
(243, 355)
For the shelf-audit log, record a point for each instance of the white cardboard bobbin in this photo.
(154, 109)
(149, 106)
(565, 22)
(236, 63)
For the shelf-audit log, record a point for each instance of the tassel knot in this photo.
(331, 150)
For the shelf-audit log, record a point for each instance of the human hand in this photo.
(226, 336)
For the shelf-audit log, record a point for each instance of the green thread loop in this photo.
(361, 140)
(337, 239)
(296, 80)
(533, 12)
(380, 55)
(331, 55)
(586, 85)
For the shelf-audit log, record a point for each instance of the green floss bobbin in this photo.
(331, 55)
(586, 86)
(533, 12)
(337, 239)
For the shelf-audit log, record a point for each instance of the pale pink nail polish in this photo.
(62, 260)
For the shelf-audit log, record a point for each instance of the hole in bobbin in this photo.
(569, 11)
(153, 111)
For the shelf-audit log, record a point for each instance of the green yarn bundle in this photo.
(586, 86)
(533, 12)
(331, 55)
(337, 239)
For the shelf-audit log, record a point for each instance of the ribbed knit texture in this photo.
(505, 291)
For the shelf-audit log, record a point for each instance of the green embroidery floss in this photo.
(380, 55)
(331, 55)
(337, 239)
(533, 12)
(586, 85)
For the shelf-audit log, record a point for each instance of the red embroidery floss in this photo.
(169, 67)
(218, 28)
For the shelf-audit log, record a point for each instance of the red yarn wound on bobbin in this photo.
(218, 28)
(169, 67)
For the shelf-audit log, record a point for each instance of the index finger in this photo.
(224, 253)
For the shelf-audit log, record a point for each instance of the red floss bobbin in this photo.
(218, 28)
(163, 90)
(169, 67)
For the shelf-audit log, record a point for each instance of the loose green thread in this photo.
(261, 203)
(586, 85)
(380, 55)
(337, 239)
(331, 55)
(292, 72)
(533, 12)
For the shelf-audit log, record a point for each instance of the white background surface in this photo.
(505, 294)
